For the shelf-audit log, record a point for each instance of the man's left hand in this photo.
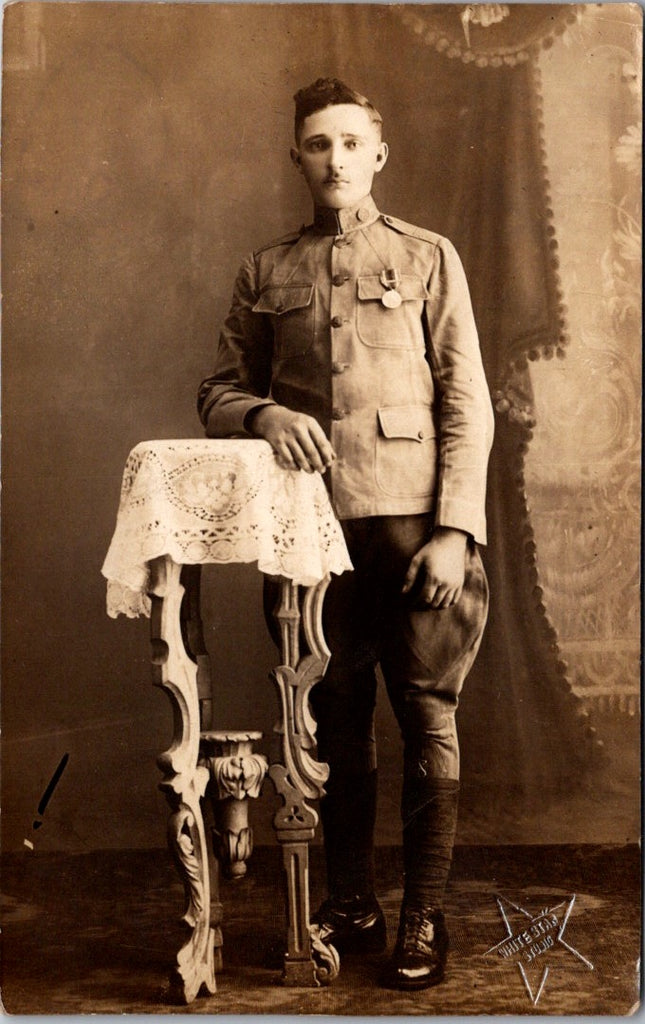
(439, 568)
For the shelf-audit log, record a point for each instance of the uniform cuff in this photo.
(226, 419)
(459, 515)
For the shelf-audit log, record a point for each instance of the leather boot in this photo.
(352, 924)
(430, 820)
(351, 919)
(419, 957)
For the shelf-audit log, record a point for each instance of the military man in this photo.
(351, 348)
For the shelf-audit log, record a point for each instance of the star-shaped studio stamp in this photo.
(534, 942)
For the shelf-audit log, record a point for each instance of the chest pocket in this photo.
(381, 327)
(292, 312)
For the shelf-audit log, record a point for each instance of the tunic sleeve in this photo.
(465, 414)
(241, 379)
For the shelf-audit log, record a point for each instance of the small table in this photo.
(185, 503)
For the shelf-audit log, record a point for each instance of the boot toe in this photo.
(413, 973)
(354, 925)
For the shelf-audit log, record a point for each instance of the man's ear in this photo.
(381, 156)
(295, 158)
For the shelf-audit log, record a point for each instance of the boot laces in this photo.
(417, 931)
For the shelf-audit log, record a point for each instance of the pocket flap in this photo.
(411, 421)
(284, 299)
(409, 287)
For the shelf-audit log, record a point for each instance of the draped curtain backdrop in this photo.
(146, 150)
(488, 191)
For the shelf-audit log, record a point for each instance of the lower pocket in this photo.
(406, 451)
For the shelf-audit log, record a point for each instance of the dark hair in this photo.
(329, 92)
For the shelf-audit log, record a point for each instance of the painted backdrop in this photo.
(145, 151)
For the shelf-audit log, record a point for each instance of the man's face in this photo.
(339, 152)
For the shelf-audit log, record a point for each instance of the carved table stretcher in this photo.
(183, 504)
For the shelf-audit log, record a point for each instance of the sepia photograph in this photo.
(321, 518)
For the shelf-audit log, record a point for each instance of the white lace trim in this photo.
(218, 501)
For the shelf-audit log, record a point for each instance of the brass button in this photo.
(339, 279)
(421, 435)
(279, 308)
(338, 414)
(337, 321)
(363, 213)
(338, 367)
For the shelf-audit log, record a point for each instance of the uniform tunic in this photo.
(364, 322)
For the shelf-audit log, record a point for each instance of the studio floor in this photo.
(97, 933)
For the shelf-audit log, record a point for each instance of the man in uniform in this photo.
(351, 347)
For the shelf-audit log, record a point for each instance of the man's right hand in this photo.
(297, 439)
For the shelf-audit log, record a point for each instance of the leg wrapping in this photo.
(429, 812)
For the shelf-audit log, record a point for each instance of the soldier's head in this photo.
(330, 92)
(339, 145)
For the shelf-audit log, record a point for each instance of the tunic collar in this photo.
(328, 221)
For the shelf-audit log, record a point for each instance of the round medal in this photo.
(391, 299)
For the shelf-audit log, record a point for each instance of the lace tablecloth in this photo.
(218, 501)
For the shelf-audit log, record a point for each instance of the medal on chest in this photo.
(391, 279)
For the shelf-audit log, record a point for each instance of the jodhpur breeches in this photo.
(425, 654)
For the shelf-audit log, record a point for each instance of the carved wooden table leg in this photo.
(300, 777)
(192, 629)
(236, 776)
(184, 779)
